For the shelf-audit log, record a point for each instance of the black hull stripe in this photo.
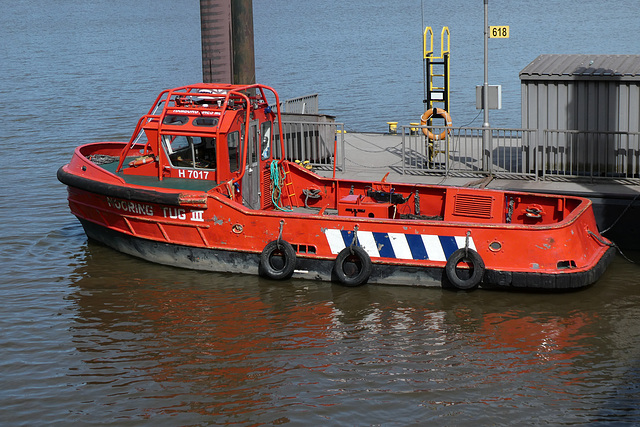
(117, 191)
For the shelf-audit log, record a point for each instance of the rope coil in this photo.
(310, 193)
(277, 183)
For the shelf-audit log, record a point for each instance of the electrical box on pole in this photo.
(495, 97)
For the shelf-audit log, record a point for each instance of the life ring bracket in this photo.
(436, 112)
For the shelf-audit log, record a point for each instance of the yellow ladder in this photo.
(436, 81)
(436, 70)
(288, 188)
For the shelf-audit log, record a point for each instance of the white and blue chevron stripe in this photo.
(399, 245)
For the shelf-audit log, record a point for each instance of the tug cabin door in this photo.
(251, 178)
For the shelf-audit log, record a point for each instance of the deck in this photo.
(370, 156)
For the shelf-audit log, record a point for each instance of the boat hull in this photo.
(208, 231)
(217, 260)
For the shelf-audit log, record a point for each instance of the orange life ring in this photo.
(435, 112)
(141, 161)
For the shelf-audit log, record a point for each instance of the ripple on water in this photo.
(93, 336)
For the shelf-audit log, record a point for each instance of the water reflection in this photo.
(187, 345)
(213, 342)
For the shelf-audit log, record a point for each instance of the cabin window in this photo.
(191, 151)
(174, 120)
(265, 145)
(234, 153)
(205, 121)
(252, 155)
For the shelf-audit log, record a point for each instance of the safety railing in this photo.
(317, 144)
(307, 104)
(595, 155)
(508, 153)
(474, 151)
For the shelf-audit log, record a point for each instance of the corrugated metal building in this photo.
(582, 92)
(592, 94)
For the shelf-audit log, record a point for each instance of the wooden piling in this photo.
(227, 41)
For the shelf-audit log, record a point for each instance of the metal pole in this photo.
(485, 93)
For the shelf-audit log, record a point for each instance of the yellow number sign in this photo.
(499, 31)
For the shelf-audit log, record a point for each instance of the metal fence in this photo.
(509, 153)
(501, 152)
(590, 154)
(314, 143)
(307, 104)
(523, 153)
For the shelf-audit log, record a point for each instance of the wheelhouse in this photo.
(217, 134)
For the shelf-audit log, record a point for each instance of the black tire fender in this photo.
(477, 269)
(277, 260)
(352, 266)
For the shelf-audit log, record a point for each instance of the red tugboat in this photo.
(203, 183)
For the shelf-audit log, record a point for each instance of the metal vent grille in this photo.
(266, 188)
(473, 205)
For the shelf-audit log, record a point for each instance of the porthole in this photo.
(495, 246)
